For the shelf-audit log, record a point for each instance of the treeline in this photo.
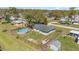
(38, 16)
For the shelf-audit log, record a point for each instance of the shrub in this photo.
(4, 30)
(17, 37)
(4, 22)
(0, 48)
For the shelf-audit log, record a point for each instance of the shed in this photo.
(55, 45)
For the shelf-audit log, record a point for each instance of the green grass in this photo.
(11, 43)
(77, 26)
(68, 44)
(34, 35)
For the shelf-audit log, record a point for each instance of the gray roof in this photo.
(44, 28)
(56, 43)
(75, 21)
(18, 21)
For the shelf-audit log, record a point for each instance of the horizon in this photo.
(48, 8)
(44, 8)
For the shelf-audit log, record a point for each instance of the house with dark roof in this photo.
(44, 29)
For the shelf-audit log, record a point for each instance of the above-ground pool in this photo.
(22, 31)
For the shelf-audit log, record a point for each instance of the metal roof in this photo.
(56, 43)
(74, 31)
(44, 28)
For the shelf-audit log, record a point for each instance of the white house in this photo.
(75, 19)
(64, 19)
(74, 33)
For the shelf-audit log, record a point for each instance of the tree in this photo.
(13, 11)
(57, 14)
(45, 21)
(30, 20)
(72, 12)
(7, 18)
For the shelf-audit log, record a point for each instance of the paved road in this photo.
(68, 27)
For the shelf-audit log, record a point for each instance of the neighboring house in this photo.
(51, 18)
(12, 18)
(19, 23)
(1, 17)
(63, 20)
(75, 16)
(74, 33)
(55, 45)
(44, 29)
(75, 19)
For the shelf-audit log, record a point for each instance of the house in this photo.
(51, 18)
(74, 33)
(12, 18)
(19, 23)
(75, 21)
(75, 16)
(77, 40)
(63, 20)
(1, 17)
(44, 29)
(55, 45)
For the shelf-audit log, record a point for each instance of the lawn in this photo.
(68, 44)
(77, 26)
(10, 43)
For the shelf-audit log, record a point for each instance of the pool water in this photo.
(22, 31)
